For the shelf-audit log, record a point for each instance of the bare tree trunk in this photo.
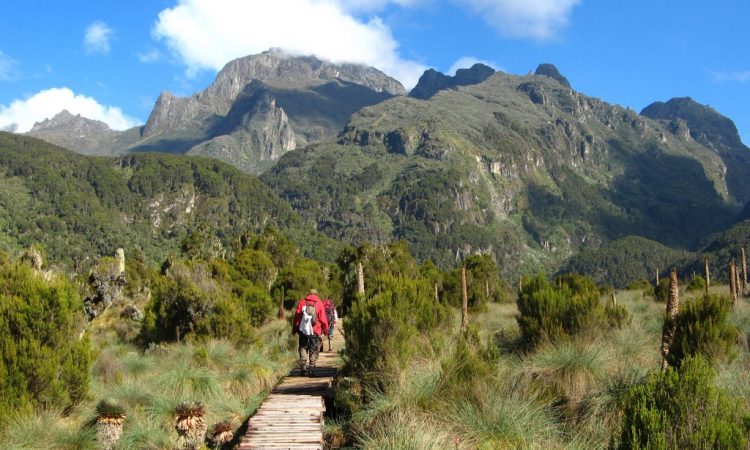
(487, 288)
(520, 282)
(657, 277)
(437, 297)
(614, 299)
(673, 306)
(464, 301)
(282, 313)
(707, 273)
(737, 283)
(733, 282)
(360, 279)
(744, 270)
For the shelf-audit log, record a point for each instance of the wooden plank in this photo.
(291, 417)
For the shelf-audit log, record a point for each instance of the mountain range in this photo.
(522, 167)
(257, 108)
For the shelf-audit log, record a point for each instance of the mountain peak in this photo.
(433, 81)
(66, 119)
(274, 68)
(706, 125)
(550, 71)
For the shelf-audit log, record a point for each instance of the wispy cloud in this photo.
(740, 76)
(150, 56)
(536, 19)
(97, 37)
(21, 114)
(8, 68)
(206, 34)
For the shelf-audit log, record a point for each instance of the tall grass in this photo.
(231, 382)
(568, 394)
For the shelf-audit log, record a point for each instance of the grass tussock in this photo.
(485, 391)
(230, 381)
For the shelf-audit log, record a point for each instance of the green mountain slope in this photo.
(624, 261)
(78, 206)
(522, 167)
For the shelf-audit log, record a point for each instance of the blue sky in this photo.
(110, 60)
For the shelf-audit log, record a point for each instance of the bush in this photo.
(44, 361)
(661, 290)
(642, 285)
(483, 284)
(617, 316)
(681, 408)
(697, 283)
(703, 327)
(382, 331)
(187, 303)
(553, 312)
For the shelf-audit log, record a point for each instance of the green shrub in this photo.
(681, 408)
(187, 303)
(483, 284)
(382, 332)
(617, 316)
(44, 361)
(697, 283)
(256, 301)
(552, 312)
(661, 290)
(703, 327)
(642, 285)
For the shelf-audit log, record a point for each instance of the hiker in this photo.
(333, 316)
(310, 322)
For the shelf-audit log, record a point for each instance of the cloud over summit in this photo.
(206, 34)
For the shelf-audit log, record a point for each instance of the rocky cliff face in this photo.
(171, 114)
(433, 81)
(689, 120)
(549, 70)
(68, 130)
(258, 137)
(524, 168)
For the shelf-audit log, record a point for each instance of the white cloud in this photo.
(537, 19)
(465, 62)
(96, 39)
(377, 5)
(20, 115)
(206, 34)
(150, 56)
(8, 70)
(741, 76)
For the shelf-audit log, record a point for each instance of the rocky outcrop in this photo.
(106, 280)
(433, 81)
(75, 132)
(274, 68)
(261, 134)
(704, 123)
(550, 71)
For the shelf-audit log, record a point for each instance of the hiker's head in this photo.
(313, 292)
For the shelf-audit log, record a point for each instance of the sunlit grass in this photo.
(231, 382)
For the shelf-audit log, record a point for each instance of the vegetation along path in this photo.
(291, 416)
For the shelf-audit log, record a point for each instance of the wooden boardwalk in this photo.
(291, 417)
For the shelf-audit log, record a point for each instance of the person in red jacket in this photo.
(310, 322)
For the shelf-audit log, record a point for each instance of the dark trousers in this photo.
(309, 348)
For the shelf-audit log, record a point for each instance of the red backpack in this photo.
(330, 311)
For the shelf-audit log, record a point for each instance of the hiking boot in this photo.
(311, 371)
